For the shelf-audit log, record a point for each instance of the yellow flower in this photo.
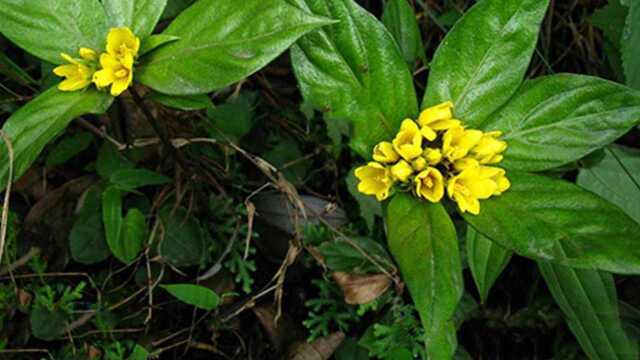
(437, 118)
(115, 73)
(375, 179)
(419, 164)
(408, 141)
(123, 44)
(470, 186)
(401, 171)
(457, 142)
(433, 156)
(78, 72)
(498, 176)
(430, 184)
(384, 153)
(489, 149)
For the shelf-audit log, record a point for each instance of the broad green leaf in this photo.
(557, 119)
(110, 160)
(186, 103)
(423, 241)
(174, 7)
(112, 219)
(486, 260)
(630, 46)
(46, 28)
(35, 124)
(400, 20)
(482, 60)
(133, 233)
(48, 324)
(608, 19)
(196, 295)
(183, 243)
(86, 239)
(233, 119)
(141, 16)
(550, 219)
(222, 42)
(155, 41)
(589, 302)
(68, 147)
(130, 179)
(353, 71)
(616, 178)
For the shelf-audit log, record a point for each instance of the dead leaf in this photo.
(321, 349)
(361, 289)
(281, 333)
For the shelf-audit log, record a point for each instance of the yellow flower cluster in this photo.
(436, 153)
(115, 66)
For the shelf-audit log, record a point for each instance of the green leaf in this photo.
(353, 71)
(549, 219)
(174, 7)
(589, 302)
(196, 295)
(183, 243)
(130, 179)
(339, 255)
(616, 178)
(400, 20)
(235, 118)
(133, 234)
(139, 353)
(286, 156)
(554, 120)
(67, 148)
(111, 160)
(482, 60)
(141, 16)
(48, 324)
(630, 46)
(155, 41)
(112, 218)
(609, 18)
(46, 28)
(486, 260)
(423, 241)
(35, 124)
(186, 103)
(86, 240)
(222, 42)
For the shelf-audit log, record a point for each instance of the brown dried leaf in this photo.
(361, 289)
(321, 349)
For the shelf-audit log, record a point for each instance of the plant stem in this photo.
(161, 131)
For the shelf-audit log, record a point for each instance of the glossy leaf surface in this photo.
(486, 260)
(557, 119)
(549, 219)
(46, 28)
(589, 302)
(423, 241)
(39, 121)
(354, 71)
(482, 60)
(221, 43)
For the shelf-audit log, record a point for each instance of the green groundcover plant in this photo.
(483, 154)
(354, 71)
